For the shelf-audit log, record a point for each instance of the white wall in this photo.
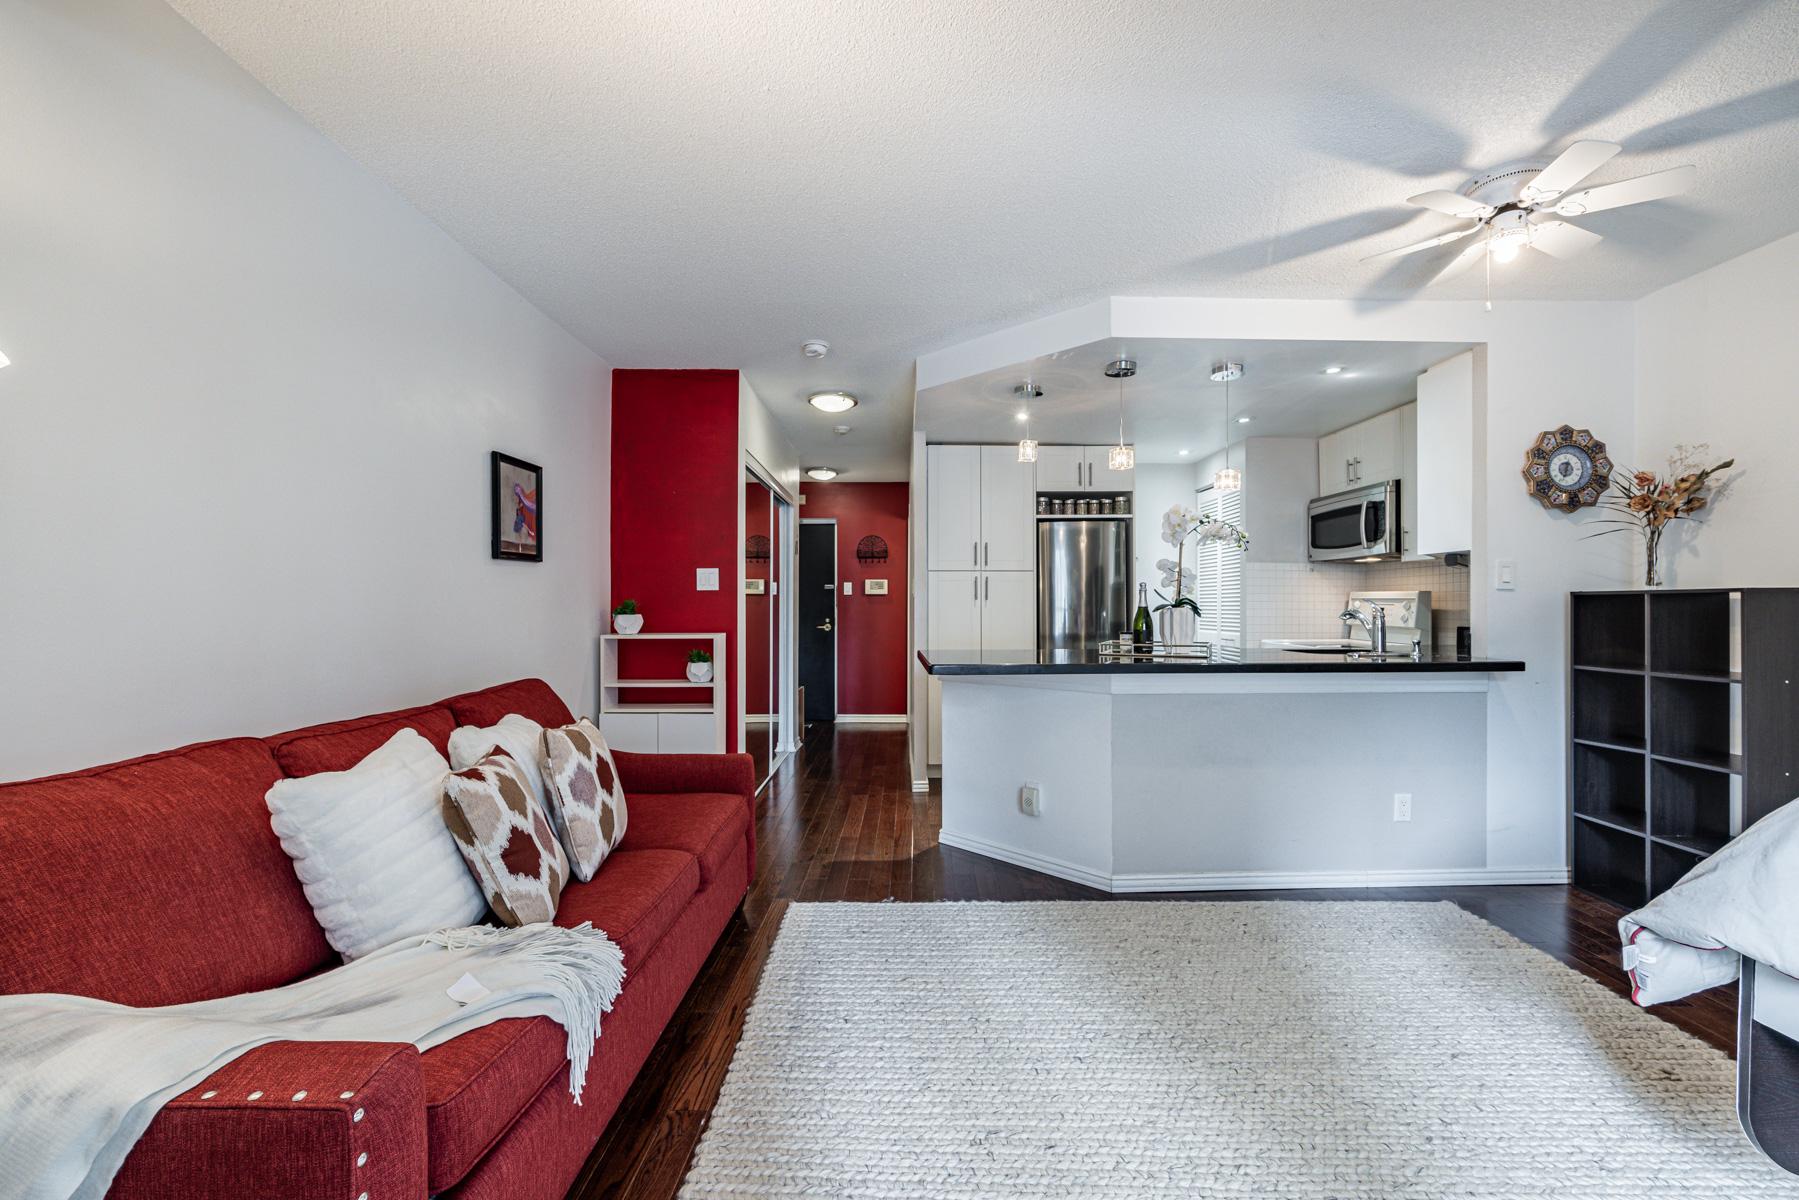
(1717, 359)
(1280, 476)
(764, 442)
(1158, 488)
(244, 440)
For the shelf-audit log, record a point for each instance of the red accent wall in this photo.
(677, 480)
(871, 638)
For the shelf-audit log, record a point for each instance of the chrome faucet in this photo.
(1374, 621)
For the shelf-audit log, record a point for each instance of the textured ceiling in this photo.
(1172, 405)
(685, 183)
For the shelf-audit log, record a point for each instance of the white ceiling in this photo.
(685, 183)
(1171, 404)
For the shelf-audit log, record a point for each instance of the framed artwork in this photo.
(517, 508)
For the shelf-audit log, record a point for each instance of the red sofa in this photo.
(158, 881)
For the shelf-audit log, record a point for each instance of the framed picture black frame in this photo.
(516, 491)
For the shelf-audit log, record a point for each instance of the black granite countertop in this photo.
(1032, 662)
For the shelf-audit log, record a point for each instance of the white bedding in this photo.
(1743, 900)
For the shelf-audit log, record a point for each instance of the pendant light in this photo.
(1027, 392)
(1227, 479)
(1121, 457)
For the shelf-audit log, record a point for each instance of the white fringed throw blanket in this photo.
(81, 1079)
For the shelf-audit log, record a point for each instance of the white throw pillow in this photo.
(370, 847)
(521, 737)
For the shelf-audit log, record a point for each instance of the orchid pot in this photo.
(1177, 618)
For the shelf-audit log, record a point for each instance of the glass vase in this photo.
(1652, 545)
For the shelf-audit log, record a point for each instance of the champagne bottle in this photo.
(1141, 637)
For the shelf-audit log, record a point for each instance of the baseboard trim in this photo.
(921, 785)
(1255, 881)
(1034, 862)
(871, 718)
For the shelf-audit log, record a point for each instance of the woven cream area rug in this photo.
(1268, 1049)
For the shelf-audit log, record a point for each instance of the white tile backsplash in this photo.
(1302, 600)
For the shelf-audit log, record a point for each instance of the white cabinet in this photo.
(1009, 610)
(1080, 469)
(1008, 510)
(953, 508)
(1445, 454)
(954, 610)
(1368, 452)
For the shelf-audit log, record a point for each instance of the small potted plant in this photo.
(699, 666)
(626, 619)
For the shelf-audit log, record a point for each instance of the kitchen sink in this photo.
(1311, 645)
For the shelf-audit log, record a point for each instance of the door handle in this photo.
(826, 626)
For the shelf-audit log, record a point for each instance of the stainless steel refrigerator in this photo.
(1083, 583)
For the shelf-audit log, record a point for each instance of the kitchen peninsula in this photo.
(1285, 769)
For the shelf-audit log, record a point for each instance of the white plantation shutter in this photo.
(1219, 590)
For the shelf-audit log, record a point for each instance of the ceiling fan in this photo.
(1519, 205)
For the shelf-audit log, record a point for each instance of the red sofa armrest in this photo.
(358, 1130)
(720, 774)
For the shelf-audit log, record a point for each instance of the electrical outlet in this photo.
(1030, 800)
(705, 579)
(1402, 806)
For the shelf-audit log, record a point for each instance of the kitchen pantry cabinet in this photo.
(980, 510)
(983, 610)
(1080, 469)
(1368, 452)
(1445, 457)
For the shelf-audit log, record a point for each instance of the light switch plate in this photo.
(705, 579)
(849, 587)
(1505, 575)
(874, 587)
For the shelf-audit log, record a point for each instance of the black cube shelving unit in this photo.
(1683, 726)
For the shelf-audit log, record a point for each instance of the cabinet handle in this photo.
(989, 589)
(986, 554)
(977, 588)
(975, 550)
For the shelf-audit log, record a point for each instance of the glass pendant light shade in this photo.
(1227, 480)
(1121, 458)
(1027, 451)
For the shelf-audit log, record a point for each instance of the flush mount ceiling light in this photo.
(831, 402)
(816, 349)
(1333, 370)
(1226, 479)
(1121, 457)
(822, 472)
(1027, 391)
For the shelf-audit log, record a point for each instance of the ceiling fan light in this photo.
(1227, 480)
(1121, 458)
(1505, 249)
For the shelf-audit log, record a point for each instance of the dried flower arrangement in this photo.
(1647, 502)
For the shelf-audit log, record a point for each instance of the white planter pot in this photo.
(699, 672)
(1177, 627)
(627, 622)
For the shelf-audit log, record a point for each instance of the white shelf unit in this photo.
(662, 728)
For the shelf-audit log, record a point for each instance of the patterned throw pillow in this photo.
(586, 800)
(505, 839)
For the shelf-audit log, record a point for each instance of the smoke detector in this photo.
(841, 430)
(816, 349)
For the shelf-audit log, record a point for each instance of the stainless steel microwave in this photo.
(1357, 525)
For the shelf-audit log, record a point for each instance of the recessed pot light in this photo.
(1183, 452)
(5, 361)
(1024, 416)
(816, 349)
(1244, 420)
(832, 402)
(1332, 370)
(822, 472)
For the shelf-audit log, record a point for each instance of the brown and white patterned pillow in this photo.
(505, 839)
(586, 800)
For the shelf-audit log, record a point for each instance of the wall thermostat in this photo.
(875, 587)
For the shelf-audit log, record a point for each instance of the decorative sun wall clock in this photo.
(1566, 468)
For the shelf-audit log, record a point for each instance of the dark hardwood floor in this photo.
(841, 822)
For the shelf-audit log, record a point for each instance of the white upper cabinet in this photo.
(1369, 452)
(1445, 476)
(953, 508)
(1009, 610)
(1008, 511)
(1080, 469)
(954, 612)
(1061, 468)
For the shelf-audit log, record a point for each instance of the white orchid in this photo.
(1179, 525)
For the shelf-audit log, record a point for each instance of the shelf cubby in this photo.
(1689, 633)
(1689, 806)
(1609, 863)
(1608, 786)
(1667, 864)
(1609, 708)
(1608, 630)
(1691, 720)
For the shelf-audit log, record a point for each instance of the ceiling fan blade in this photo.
(1425, 245)
(1462, 261)
(1558, 239)
(1569, 168)
(1657, 186)
(1454, 205)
